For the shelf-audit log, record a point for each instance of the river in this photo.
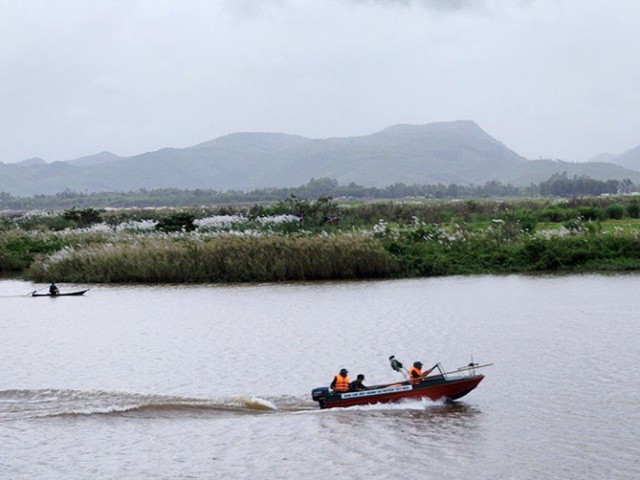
(214, 381)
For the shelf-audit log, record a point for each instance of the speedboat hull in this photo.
(435, 388)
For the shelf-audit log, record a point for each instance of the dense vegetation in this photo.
(224, 259)
(299, 239)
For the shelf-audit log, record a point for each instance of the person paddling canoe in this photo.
(53, 290)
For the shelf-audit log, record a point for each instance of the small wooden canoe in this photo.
(69, 294)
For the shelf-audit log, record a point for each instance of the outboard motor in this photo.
(319, 393)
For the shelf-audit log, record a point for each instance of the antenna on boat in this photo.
(472, 364)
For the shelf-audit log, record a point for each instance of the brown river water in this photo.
(214, 381)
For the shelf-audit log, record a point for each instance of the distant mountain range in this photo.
(446, 152)
(629, 159)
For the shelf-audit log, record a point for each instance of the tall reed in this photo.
(223, 259)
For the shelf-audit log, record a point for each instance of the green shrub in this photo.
(311, 214)
(177, 222)
(554, 215)
(591, 213)
(526, 221)
(614, 211)
(82, 218)
(633, 210)
(574, 226)
(44, 223)
(18, 250)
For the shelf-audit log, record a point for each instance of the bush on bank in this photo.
(527, 253)
(18, 250)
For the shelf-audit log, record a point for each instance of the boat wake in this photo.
(52, 403)
(25, 404)
(408, 405)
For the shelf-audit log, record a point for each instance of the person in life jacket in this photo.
(340, 382)
(416, 374)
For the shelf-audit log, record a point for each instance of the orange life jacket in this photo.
(342, 384)
(413, 373)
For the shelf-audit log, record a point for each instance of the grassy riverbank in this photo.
(300, 240)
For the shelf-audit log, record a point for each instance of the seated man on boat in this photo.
(53, 290)
(357, 384)
(340, 382)
(416, 375)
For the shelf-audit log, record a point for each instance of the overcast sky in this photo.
(550, 78)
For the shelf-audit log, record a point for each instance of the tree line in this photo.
(558, 185)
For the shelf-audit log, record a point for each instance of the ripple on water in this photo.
(223, 376)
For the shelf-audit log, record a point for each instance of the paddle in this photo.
(36, 291)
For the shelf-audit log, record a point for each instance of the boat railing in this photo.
(466, 371)
(469, 370)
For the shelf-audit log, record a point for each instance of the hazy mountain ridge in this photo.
(628, 159)
(98, 158)
(31, 162)
(448, 152)
(444, 152)
(602, 157)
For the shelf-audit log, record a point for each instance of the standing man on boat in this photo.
(53, 290)
(357, 384)
(416, 375)
(340, 382)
